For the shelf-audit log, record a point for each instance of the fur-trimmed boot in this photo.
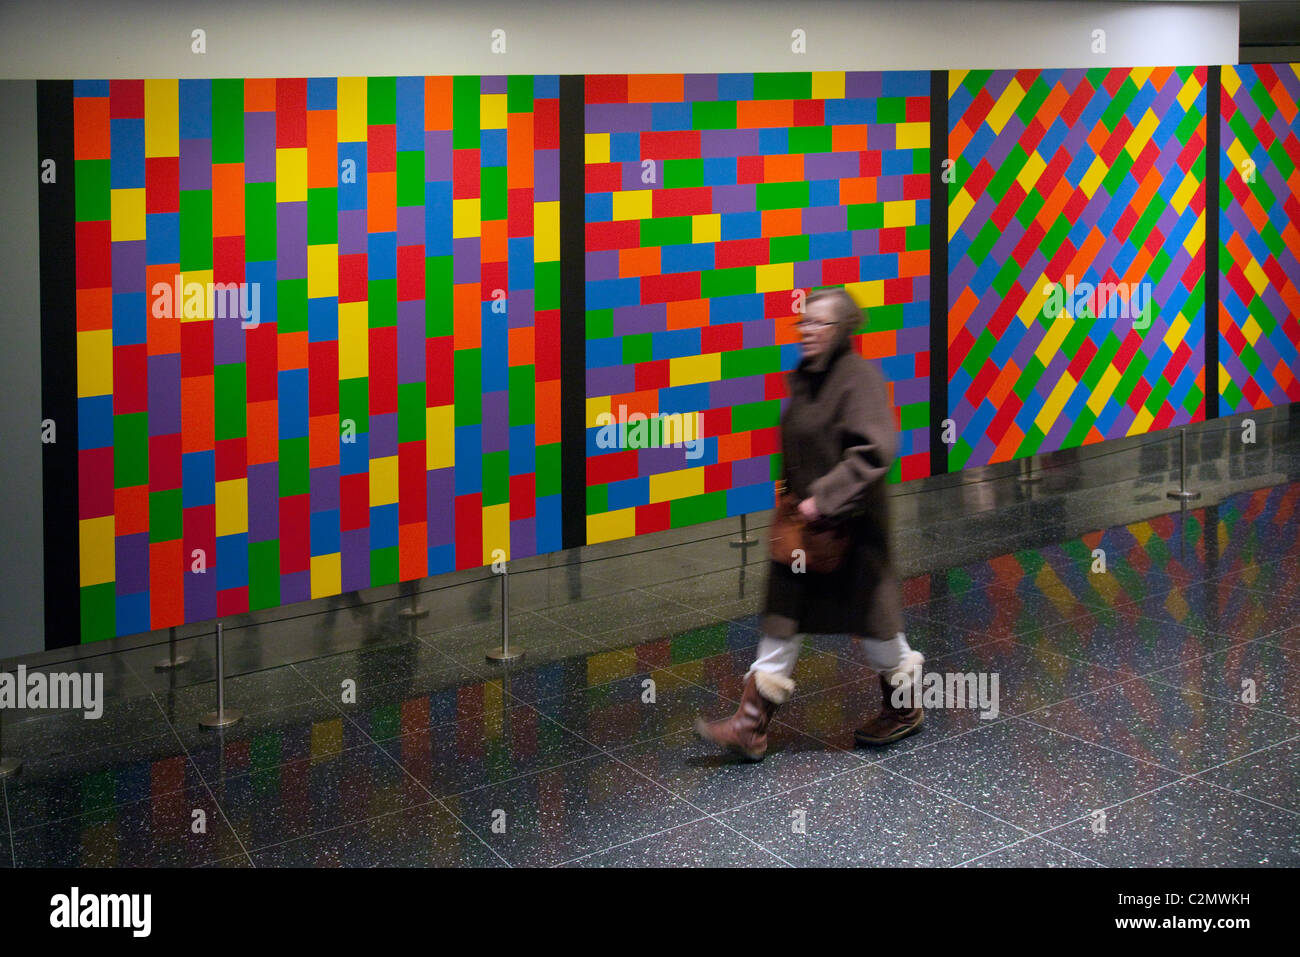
(893, 722)
(745, 732)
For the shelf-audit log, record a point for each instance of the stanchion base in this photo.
(742, 542)
(167, 664)
(1185, 496)
(221, 719)
(9, 767)
(412, 612)
(496, 654)
(1028, 479)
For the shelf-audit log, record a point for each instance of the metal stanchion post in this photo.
(505, 652)
(744, 539)
(1027, 475)
(223, 717)
(8, 766)
(172, 660)
(1182, 492)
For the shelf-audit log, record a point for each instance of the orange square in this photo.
(519, 150)
(783, 168)
(656, 88)
(782, 222)
(437, 102)
(94, 309)
(131, 510)
(646, 402)
(291, 350)
(323, 440)
(263, 432)
(197, 412)
(762, 114)
(227, 199)
(547, 397)
(90, 126)
(521, 347)
(638, 261)
(259, 96)
(412, 551)
(322, 148)
(859, 189)
(688, 314)
(847, 139)
(734, 447)
(381, 193)
(467, 316)
(492, 241)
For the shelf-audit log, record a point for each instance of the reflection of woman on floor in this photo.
(838, 443)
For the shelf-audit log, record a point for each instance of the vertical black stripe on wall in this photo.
(1213, 99)
(938, 270)
(58, 269)
(573, 312)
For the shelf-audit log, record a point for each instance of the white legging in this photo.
(778, 655)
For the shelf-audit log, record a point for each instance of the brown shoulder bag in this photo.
(824, 545)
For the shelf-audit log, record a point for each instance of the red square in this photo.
(232, 459)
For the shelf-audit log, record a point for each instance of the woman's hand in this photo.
(808, 509)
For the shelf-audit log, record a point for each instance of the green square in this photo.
(382, 303)
(810, 139)
(600, 323)
(496, 478)
(130, 450)
(597, 499)
(381, 100)
(465, 113)
(546, 286)
(259, 223)
(519, 93)
(98, 612)
(523, 394)
(719, 115)
(93, 196)
(410, 412)
(196, 229)
(263, 574)
(547, 459)
(410, 178)
(354, 404)
(468, 381)
(227, 121)
(383, 566)
(165, 524)
(492, 192)
(323, 216)
(295, 477)
(788, 249)
(683, 173)
(637, 348)
(230, 398)
(667, 231)
(439, 319)
(291, 305)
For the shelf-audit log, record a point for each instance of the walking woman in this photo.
(838, 442)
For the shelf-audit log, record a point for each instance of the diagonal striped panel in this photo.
(1076, 215)
(1259, 237)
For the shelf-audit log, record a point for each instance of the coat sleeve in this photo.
(865, 427)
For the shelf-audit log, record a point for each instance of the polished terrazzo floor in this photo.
(1149, 715)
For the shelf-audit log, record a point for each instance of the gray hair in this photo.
(846, 313)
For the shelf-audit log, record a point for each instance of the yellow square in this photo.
(440, 437)
(595, 408)
(868, 293)
(383, 480)
(291, 175)
(496, 533)
(774, 277)
(597, 147)
(94, 363)
(958, 210)
(466, 221)
(706, 228)
(684, 483)
(162, 118)
(607, 526)
(911, 136)
(354, 340)
(326, 575)
(322, 272)
(900, 212)
(126, 214)
(691, 370)
(1030, 172)
(828, 86)
(546, 232)
(633, 204)
(492, 111)
(98, 550)
(232, 507)
(351, 104)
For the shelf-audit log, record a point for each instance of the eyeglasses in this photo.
(813, 325)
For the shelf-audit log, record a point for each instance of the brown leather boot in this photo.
(745, 732)
(893, 723)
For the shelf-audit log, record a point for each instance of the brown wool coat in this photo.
(838, 442)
